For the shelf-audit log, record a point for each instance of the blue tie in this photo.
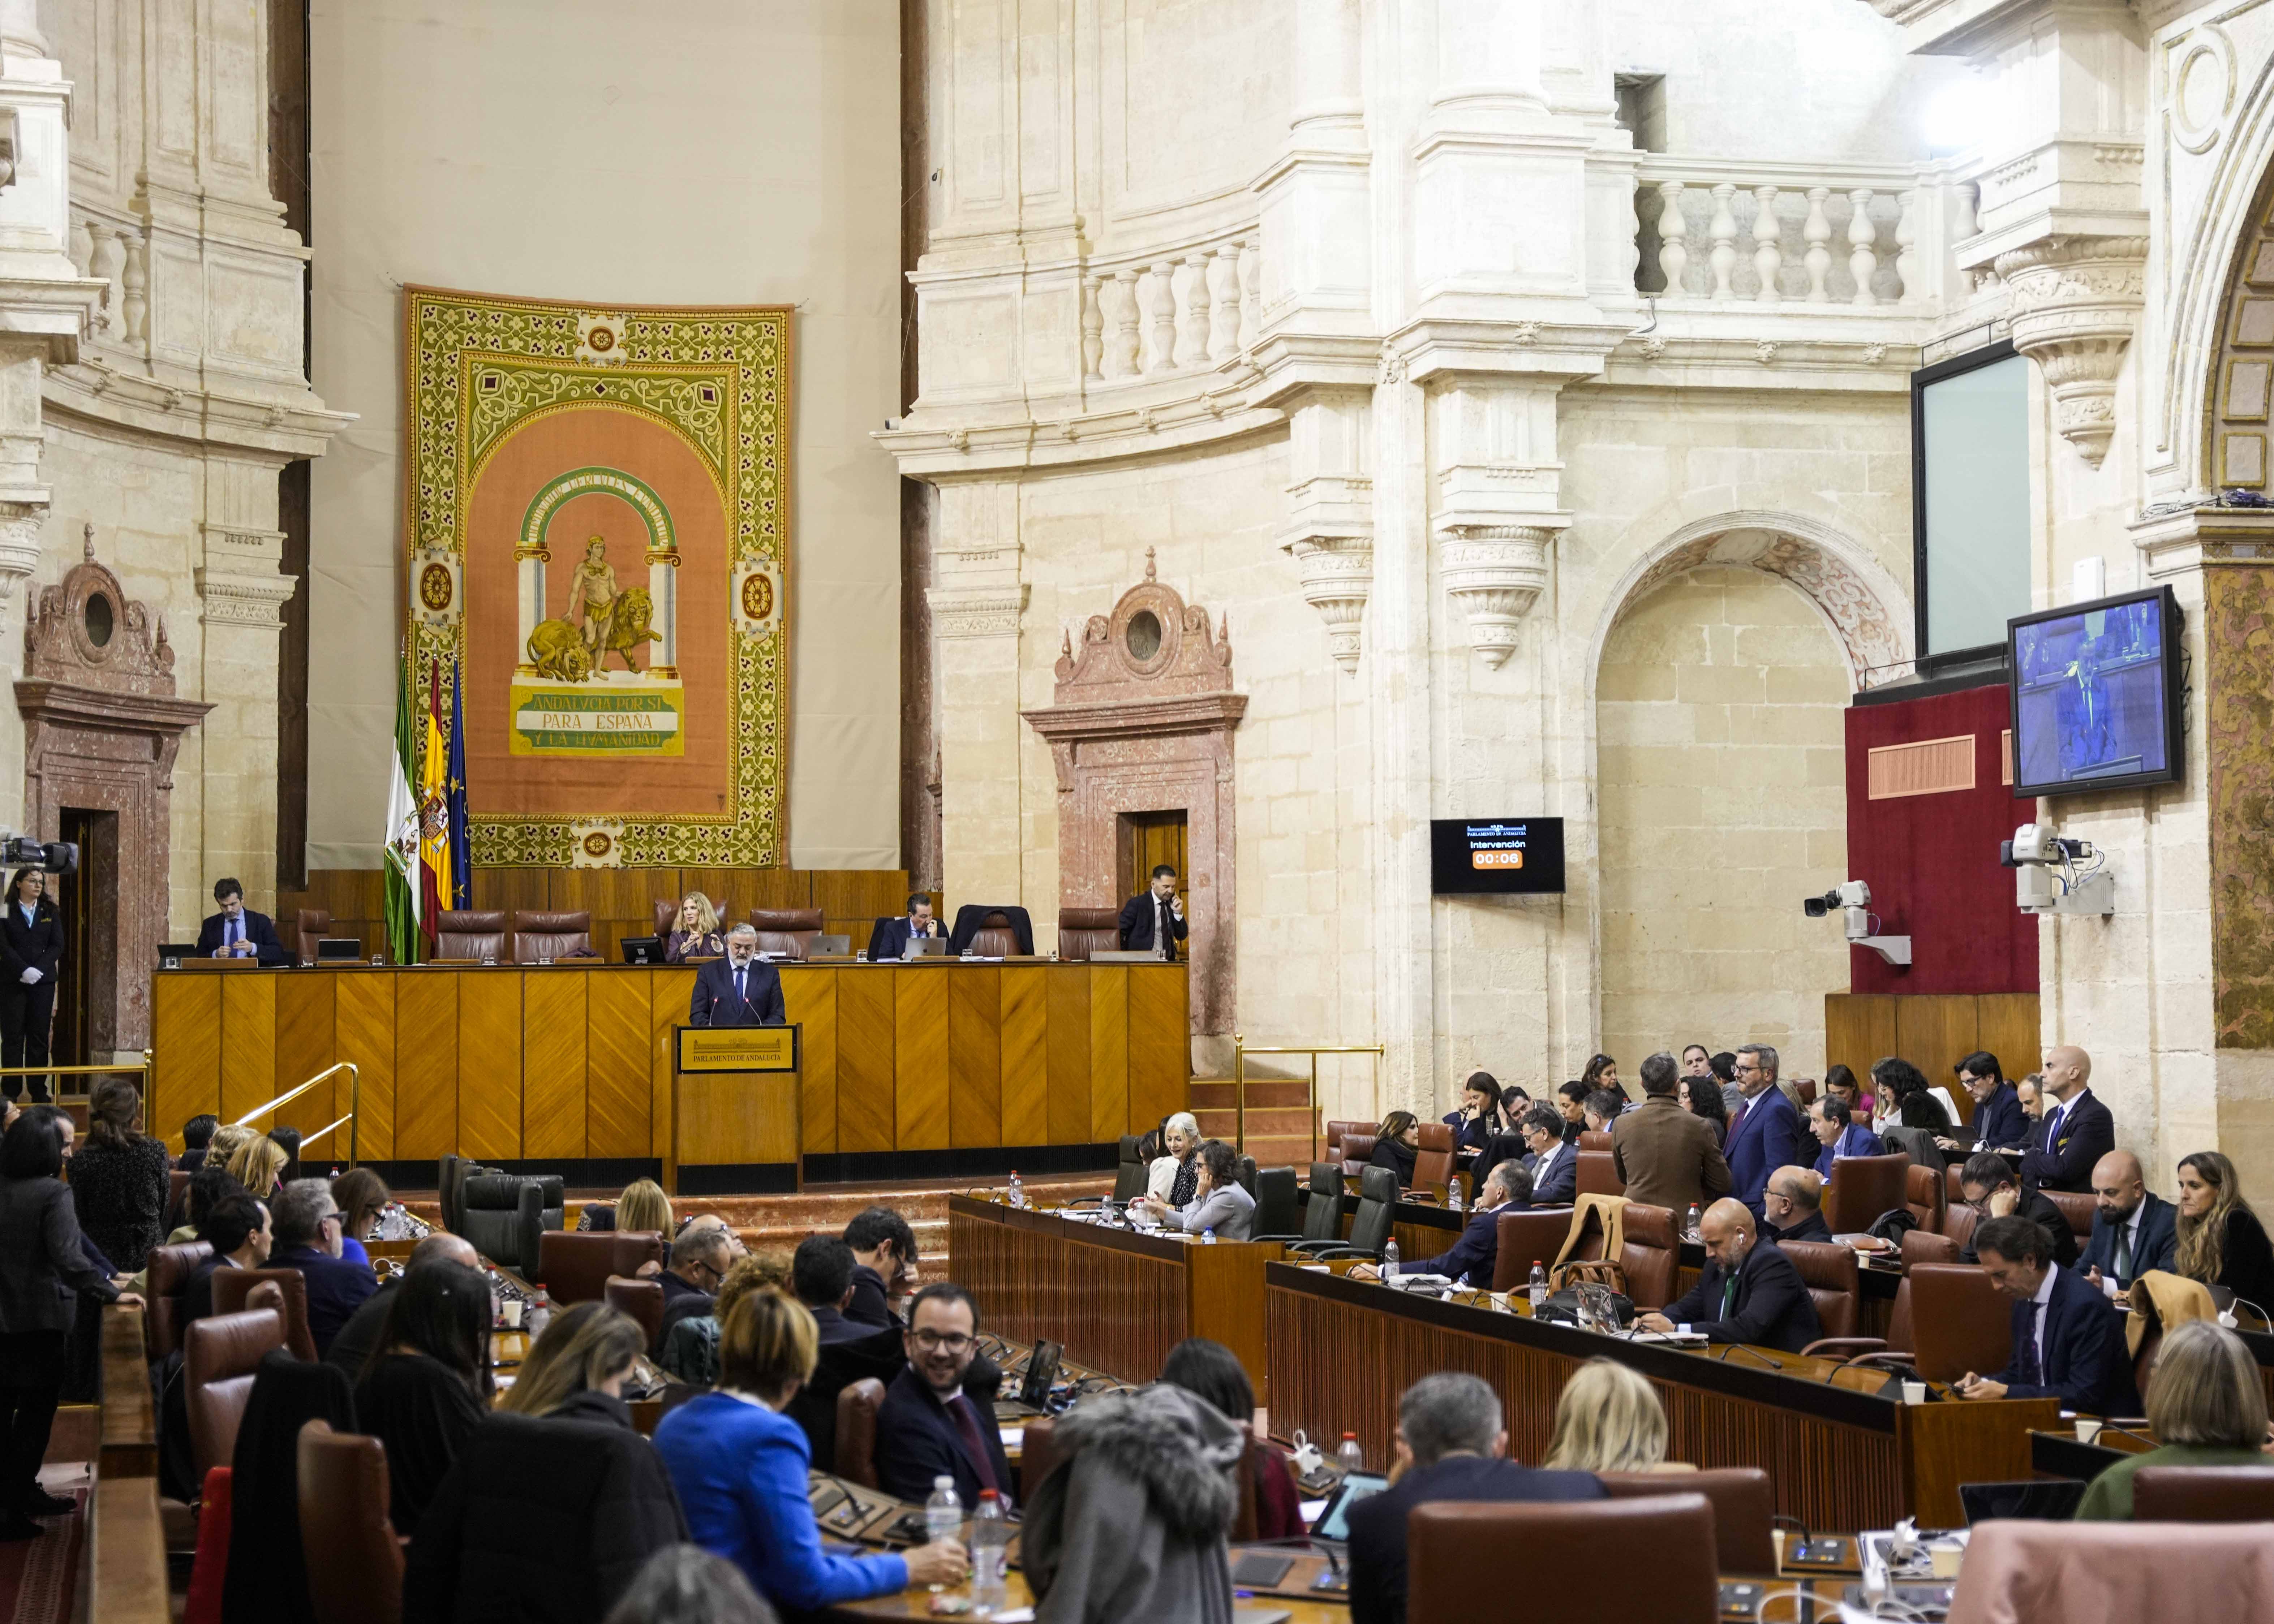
(229, 936)
(739, 995)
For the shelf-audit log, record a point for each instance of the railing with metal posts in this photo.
(1240, 1050)
(141, 1067)
(355, 1104)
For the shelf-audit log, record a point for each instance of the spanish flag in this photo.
(435, 887)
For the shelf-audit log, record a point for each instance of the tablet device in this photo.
(339, 948)
(1334, 1522)
(1042, 1372)
(1260, 1570)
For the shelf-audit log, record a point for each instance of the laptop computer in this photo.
(925, 947)
(642, 949)
(343, 948)
(829, 947)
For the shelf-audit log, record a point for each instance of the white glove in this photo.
(30, 976)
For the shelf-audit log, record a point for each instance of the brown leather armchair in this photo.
(1599, 1171)
(1664, 1544)
(169, 1268)
(1744, 1510)
(1927, 1246)
(538, 937)
(574, 1267)
(1958, 1221)
(232, 1287)
(1960, 1322)
(1038, 1455)
(857, 1404)
(355, 1560)
(1927, 1194)
(1433, 1162)
(1525, 1238)
(995, 938)
(2203, 1494)
(1862, 1188)
(1356, 1152)
(2076, 1206)
(1082, 931)
(666, 914)
(643, 1300)
(1649, 1254)
(315, 924)
(1595, 1139)
(788, 931)
(472, 933)
(1829, 1272)
(220, 1356)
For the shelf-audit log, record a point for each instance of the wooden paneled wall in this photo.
(1934, 1031)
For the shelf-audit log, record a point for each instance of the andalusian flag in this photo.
(435, 890)
(402, 832)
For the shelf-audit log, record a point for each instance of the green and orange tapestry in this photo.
(598, 534)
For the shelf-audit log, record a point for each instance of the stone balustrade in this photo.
(1170, 312)
(115, 249)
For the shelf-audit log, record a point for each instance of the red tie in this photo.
(973, 1445)
(1738, 1118)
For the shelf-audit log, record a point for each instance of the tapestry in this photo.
(598, 520)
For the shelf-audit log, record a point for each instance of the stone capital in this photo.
(1494, 572)
(976, 612)
(2073, 303)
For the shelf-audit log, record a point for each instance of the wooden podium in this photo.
(737, 1110)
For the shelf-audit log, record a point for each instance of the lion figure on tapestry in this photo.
(558, 651)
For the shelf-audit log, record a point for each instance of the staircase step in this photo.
(1275, 1150)
(1224, 1095)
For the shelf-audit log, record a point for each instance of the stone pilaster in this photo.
(976, 606)
(1331, 511)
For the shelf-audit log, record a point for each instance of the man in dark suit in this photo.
(1451, 1444)
(1470, 1260)
(1749, 1292)
(1988, 1184)
(1999, 1124)
(1154, 914)
(237, 932)
(701, 1254)
(306, 1221)
(1793, 1207)
(1765, 1133)
(2077, 1130)
(2068, 1341)
(884, 1252)
(31, 950)
(238, 1229)
(893, 937)
(821, 1273)
(1555, 1165)
(741, 989)
(928, 1426)
(1669, 1157)
(2133, 1229)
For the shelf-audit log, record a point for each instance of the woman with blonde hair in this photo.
(2220, 1241)
(643, 1206)
(695, 931)
(1609, 1420)
(227, 1141)
(577, 1367)
(2205, 1407)
(259, 1165)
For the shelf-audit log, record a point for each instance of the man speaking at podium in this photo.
(738, 990)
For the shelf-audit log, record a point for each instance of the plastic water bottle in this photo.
(1350, 1457)
(989, 1535)
(1453, 1193)
(1018, 1191)
(1690, 1223)
(540, 1315)
(1388, 1259)
(1208, 1237)
(943, 1512)
(1538, 1292)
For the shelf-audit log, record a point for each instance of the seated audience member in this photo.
(686, 1584)
(1478, 1116)
(308, 1239)
(2206, 1407)
(1665, 1155)
(2217, 1238)
(1765, 1132)
(119, 1177)
(1210, 1370)
(1792, 1207)
(238, 1230)
(929, 1427)
(2077, 1131)
(1555, 1162)
(1750, 1291)
(690, 1347)
(1840, 1083)
(361, 1196)
(641, 1206)
(1701, 1096)
(237, 932)
(1172, 1174)
(1838, 1134)
(1571, 1105)
(2068, 1343)
(821, 1273)
(1130, 1529)
(1997, 1122)
(2028, 1093)
(884, 1265)
(1609, 1419)
(197, 1133)
(259, 1164)
(2133, 1230)
(1470, 1260)
(351, 1348)
(1603, 1073)
(1219, 1201)
(208, 1186)
(1397, 1146)
(700, 1257)
(740, 1468)
(547, 1517)
(1991, 1187)
(1906, 1097)
(1602, 1108)
(428, 1386)
(1450, 1445)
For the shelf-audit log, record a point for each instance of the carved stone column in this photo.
(2074, 302)
(976, 612)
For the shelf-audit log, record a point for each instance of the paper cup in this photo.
(2086, 1431)
(1915, 1392)
(512, 1316)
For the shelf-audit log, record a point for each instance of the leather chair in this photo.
(1860, 1189)
(1433, 1162)
(995, 938)
(313, 924)
(1803, 1090)
(788, 932)
(1649, 1254)
(1830, 1274)
(1038, 1455)
(1337, 1128)
(1082, 931)
(450, 1176)
(1926, 1193)
(1370, 1225)
(1958, 1221)
(1599, 1172)
(2078, 1207)
(1130, 1172)
(1744, 1510)
(1356, 1153)
(473, 933)
(177, 1189)
(502, 1215)
(2203, 1494)
(857, 1404)
(1594, 1139)
(666, 914)
(355, 1560)
(574, 1268)
(170, 1270)
(1919, 1246)
(1525, 1237)
(233, 1288)
(1243, 1173)
(1960, 1321)
(1274, 1201)
(1928, 1246)
(643, 1300)
(539, 937)
(1664, 1544)
(220, 1354)
(1322, 1211)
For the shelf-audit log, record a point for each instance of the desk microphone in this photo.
(2226, 1315)
(1760, 1359)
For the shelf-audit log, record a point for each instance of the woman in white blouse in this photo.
(1171, 1177)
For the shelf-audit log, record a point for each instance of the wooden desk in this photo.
(570, 1063)
(1342, 1351)
(1118, 1301)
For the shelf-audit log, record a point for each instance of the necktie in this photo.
(2124, 1253)
(2053, 1129)
(740, 996)
(229, 935)
(2025, 1356)
(1738, 1117)
(1729, 1294)
(973, 1445)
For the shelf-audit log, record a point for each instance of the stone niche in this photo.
(1142, 722)
(102, 726)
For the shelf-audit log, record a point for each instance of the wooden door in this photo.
(1148, 839)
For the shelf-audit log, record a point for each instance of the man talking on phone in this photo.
(1154, 917)
(739, 990)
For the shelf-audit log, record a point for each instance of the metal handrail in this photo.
(355, 1102)
(1240, 1050)
(307, 1139)
(142, 1066)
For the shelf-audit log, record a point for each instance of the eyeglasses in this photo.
(933, 1342)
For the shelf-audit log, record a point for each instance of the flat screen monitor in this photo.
(1469, 855)
(2096, 695)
